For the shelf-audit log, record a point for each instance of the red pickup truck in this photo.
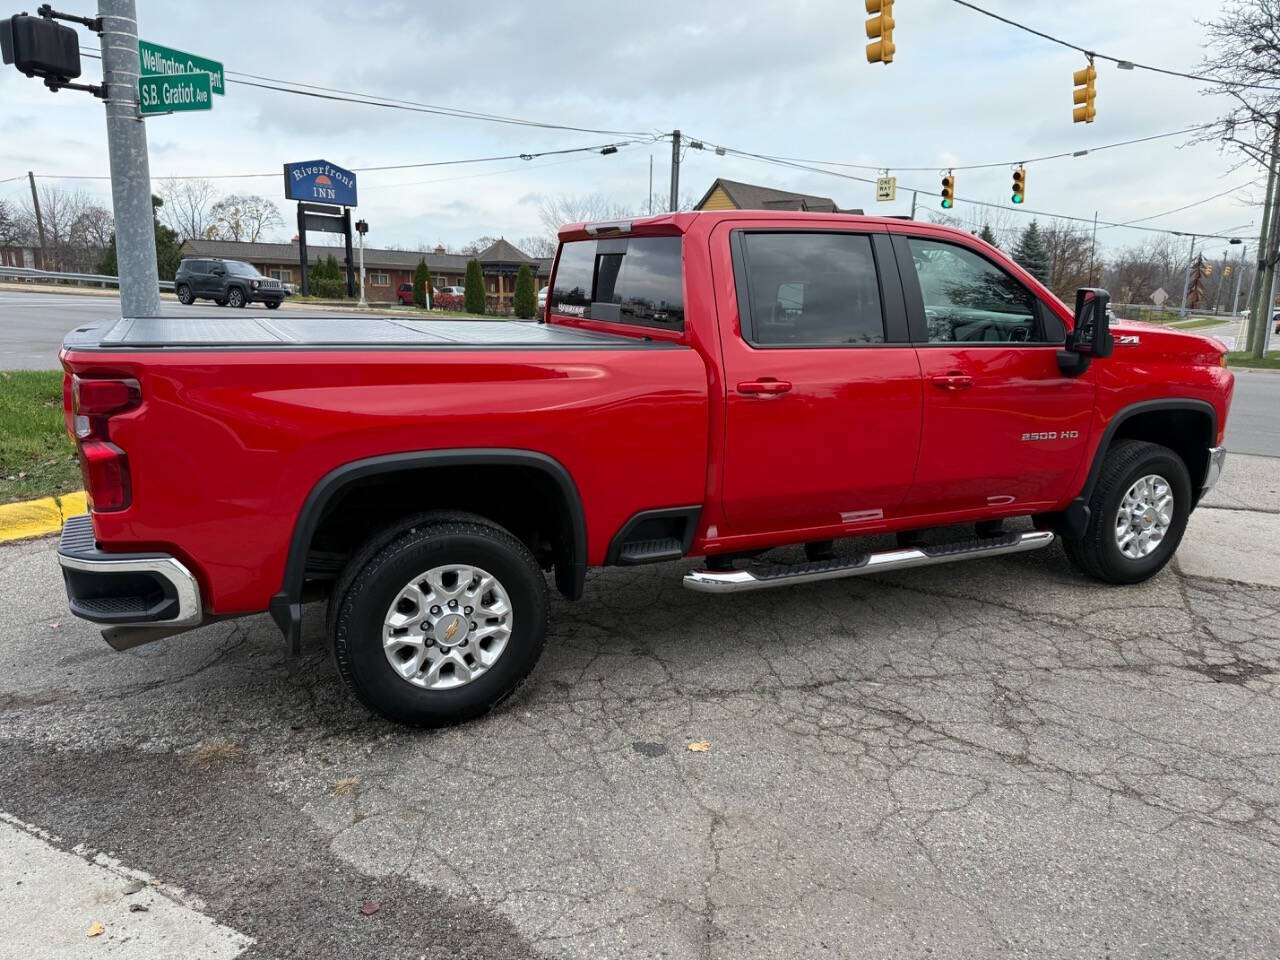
(705, 384)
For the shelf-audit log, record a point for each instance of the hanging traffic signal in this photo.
(880, 31)
(1226, 271)
(1019, 185)
(948, 190)
(1084, 94)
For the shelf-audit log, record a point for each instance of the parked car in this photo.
(225, 282)
(737, 381)
(289, 289)
(454, 291)
(404, 294)
(542, 300)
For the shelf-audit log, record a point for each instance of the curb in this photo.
(39, 518)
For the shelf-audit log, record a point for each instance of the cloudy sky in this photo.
(785, 79)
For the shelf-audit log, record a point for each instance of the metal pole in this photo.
(675, 170)
(130, 166)
(351, 267)
(651, 184)
(913, 204)
(302, 251)
(1186, 281)
(1268, 314)
(35, 202)
(1235, 301)
(1093, 246)
(362, 303)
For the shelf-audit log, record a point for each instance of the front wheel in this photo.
(440, 623)
(184, 295)
(272, 304)
(1138, 513)
(235, 297)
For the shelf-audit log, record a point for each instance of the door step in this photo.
(650, 551)
(778, 575)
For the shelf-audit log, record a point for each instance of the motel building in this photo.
(386, 270)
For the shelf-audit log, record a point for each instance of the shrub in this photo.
(449, 301)
(421, 283)
(474, 286)
(526, 298)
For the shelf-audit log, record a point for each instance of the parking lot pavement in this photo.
(994, 758)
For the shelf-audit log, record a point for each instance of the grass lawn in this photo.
(36, 455)
(1246, 359)
(1202, 322)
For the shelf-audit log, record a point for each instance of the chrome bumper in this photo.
(135, 597)
(1217, 458)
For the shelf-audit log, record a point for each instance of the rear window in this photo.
(636, 280)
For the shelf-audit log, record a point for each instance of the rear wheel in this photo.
(441, 622)
(272, 304)
(184, 295)
(235, 297)
(1138, 513)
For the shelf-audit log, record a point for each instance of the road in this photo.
(988, 759)
(32, 326)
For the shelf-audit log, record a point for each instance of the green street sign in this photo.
(166, 61)
(175, 94)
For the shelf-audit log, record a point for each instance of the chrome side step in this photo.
(781, 575)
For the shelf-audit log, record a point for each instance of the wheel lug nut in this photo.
(473, 625)
(453, 604)
(466, 610)
(435, 611)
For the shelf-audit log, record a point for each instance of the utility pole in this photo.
(130, 166)
(651, 184)
(1186, 282)
(35, 203)
(362, 301)
(1235, 300)
(913, 204)
(675, 170)
(1261, 283)
(1093, 246)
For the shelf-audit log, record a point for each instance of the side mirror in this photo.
(1091, 332)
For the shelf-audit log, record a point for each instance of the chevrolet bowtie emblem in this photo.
(451, 630)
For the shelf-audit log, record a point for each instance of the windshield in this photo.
(241, 269)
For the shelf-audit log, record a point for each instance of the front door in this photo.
(823, 394)
(1003, 427)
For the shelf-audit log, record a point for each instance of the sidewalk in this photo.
(1235, 533)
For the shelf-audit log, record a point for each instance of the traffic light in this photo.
(1226, 271)
(39, 47)
(1084, 94)
(948, 190)
(1019, 185)
(1208, 269)
(880, 31)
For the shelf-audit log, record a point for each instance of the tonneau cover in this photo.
(152, 333)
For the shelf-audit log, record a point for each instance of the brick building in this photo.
(385, 270)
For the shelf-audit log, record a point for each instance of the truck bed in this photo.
(223, 331)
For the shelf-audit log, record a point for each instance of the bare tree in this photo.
(555, 212)
(537, 245)
(1071, 257)
(187, 209)
(1005, 224)
(478, 245)
(73, 239)
(12, 230)
(243, 217)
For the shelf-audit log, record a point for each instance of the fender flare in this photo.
(1076, 516)
(285, 606)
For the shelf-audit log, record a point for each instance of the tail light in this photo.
(94, 401)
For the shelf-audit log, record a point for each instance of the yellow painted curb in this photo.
(38, 518)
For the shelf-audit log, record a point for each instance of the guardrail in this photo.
(101, 280)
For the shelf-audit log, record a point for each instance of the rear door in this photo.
(1003, 427)
(823, 394)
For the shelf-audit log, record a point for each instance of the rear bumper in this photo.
(136, 597)
(1217, 459)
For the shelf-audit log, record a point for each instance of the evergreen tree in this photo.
(987, 234)
(1032, 253)
(474, 288)
(327, 278)
(526, 299)
(168, 256)
(421, 281)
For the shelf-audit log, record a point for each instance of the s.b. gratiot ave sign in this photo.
(320, 181)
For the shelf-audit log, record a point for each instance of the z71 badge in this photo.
(1053, 435)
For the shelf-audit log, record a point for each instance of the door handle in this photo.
(766, 386)
(953, 381)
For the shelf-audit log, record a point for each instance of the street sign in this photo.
(320, 180)
(166, 61)
(886, 188)
(175, 94)
(1159, 297)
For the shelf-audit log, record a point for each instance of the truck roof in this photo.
(683, 221)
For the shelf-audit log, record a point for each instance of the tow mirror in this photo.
(1091, 332)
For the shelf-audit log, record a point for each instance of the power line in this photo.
(393, 103)
(1009, 163)
(1119, 61)
(779, 161)
(593, 148)
(1216, 196)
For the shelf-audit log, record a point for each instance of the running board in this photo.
(761, 578)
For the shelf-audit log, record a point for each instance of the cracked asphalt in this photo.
(995, 758)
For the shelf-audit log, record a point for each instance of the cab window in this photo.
(634, 280)
(968, 299)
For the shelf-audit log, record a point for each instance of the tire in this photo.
(272, 304)
(184, 295)
(366, 598)
(236, 297)
(1097, 552)
(220, 301)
